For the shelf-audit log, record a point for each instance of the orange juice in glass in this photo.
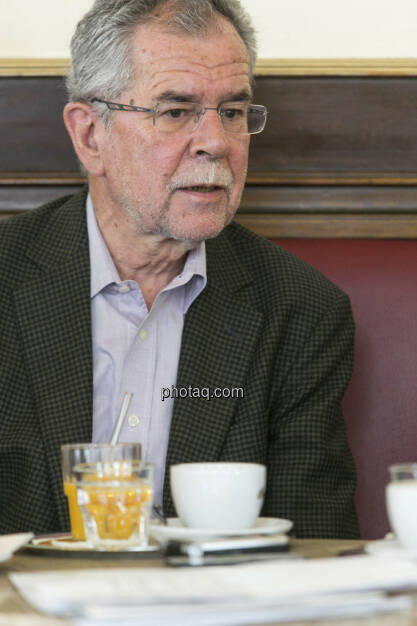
(115, 499)
(75, 454)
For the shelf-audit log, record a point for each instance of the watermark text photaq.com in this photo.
(208, 393)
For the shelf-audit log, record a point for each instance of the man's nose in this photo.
(209, 136)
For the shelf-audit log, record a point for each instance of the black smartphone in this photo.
(222, 551)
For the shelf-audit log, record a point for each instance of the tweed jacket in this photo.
(266, 322)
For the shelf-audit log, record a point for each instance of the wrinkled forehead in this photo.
(216, 56)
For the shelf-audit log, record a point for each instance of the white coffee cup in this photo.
(401, 497)
(220, 496)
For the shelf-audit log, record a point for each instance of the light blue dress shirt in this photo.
(137, 350)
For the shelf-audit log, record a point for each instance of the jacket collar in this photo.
(64, 236)
(53, 314)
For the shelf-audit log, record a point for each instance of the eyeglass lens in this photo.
(236, 117)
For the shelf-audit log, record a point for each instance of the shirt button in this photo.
(124, 288)
(143, 333)
(133, 421)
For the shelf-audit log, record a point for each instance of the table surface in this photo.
(15, 611)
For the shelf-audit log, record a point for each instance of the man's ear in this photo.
(82, 124)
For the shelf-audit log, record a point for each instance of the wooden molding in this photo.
(333, 178)
(285, 212)
(264, 67)
(337, 67)
(33, 67)
(299, 179)
(23, 179)
(322, 226)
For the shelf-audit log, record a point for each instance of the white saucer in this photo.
(389, 548)
(174, 529)
(63, 543)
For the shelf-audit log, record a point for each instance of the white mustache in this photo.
(215, 176)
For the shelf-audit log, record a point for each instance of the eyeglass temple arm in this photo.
(116, 106)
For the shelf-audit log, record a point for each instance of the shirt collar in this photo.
(104, 271)
(193, 276)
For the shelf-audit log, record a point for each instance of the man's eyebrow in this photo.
(241, 96)
(176, 96)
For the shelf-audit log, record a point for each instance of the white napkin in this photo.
(226, 591)
(24, 619)
(341, 606)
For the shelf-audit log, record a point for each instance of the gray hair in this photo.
(100, 48)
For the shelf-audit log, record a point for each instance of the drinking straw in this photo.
(122, 414)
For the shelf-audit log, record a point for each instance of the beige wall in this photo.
(287, 28)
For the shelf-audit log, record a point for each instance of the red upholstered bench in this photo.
(380, 405)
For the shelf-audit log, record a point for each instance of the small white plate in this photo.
(59, 544)
(174, 529)
(389, 548)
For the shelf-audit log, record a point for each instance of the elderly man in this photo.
(234, 349)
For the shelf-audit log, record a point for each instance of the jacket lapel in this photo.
(220, 333)
(53, 310)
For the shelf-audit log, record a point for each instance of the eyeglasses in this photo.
(169, 117)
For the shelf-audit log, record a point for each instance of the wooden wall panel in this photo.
(337, 127)
(33, 135)
(338, 156)
(316, 126)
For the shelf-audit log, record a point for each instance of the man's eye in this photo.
(176, 114)
(232, 114)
